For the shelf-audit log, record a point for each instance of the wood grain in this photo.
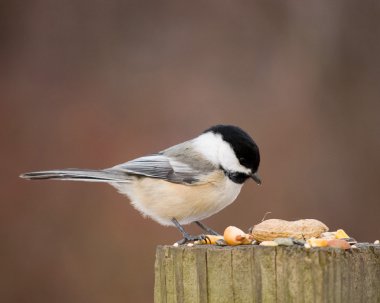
(251, 273)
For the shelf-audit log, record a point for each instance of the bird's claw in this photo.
(190, 238)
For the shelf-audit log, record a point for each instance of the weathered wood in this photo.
(252, 273)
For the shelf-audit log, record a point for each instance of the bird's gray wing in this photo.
(162, 167)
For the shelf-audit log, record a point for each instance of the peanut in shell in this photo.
(276, 228)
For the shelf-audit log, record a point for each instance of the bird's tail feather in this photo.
(74, 174)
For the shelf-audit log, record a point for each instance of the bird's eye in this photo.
(241, 160)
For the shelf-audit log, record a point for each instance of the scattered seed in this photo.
(220, 242)
(341, 234)
(339, 243)
(269, 243)
(351, 241)
(362, 244)
(329, 235)
(299, 242)
(284, 241)
(175, 244)
(209, 239)
(235, 236)
(313, 242)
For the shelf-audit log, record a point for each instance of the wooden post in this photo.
(252, 273)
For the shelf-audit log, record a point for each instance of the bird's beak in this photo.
(257, 178)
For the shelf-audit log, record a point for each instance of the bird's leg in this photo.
(186, 236)
(207, 229)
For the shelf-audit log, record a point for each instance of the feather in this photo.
(162, 167)
(74, 174)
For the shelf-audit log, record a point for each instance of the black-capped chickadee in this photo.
(185, 183)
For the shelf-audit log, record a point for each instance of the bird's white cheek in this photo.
(228, 159)
(219, 152)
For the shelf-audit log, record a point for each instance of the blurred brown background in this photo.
(96, 83)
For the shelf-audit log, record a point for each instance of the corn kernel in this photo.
(313, 242)
(341, 234)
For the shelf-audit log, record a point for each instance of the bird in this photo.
(183, 184)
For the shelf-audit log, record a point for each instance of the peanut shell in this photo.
(276, 228)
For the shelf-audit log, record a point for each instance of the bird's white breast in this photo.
(162, 200)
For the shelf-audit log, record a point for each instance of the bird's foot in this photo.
(189, 238)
